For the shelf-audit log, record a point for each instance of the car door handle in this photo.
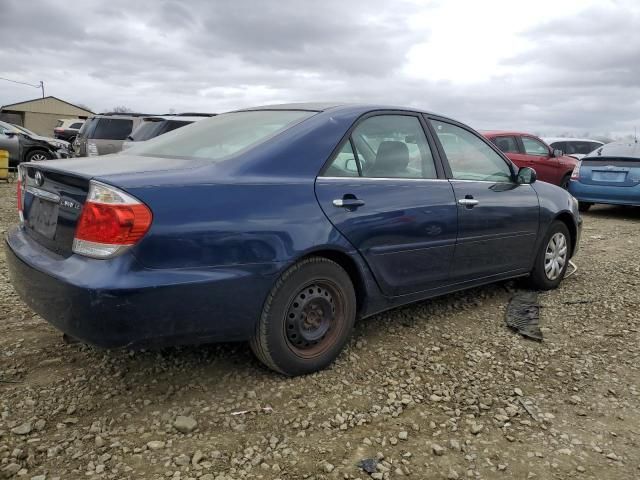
(348, 203)
(468, 202)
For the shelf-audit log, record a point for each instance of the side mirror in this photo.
(527, 176)
(557, 153)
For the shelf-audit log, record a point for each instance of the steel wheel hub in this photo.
(310, 317)
(555, 256)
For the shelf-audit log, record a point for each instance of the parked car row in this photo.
(526, 150)
(280, 226)
(25, 146)
(111, 132)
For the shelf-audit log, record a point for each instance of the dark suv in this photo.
(152, 127)
(104, 133)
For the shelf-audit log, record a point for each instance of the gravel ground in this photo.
(437, 390)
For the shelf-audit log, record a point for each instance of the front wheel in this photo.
(552, 259)
(306, 319)
(37, 156)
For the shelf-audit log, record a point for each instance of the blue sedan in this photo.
(609, 174)
(280, 226)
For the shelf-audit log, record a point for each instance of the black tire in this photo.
(584, 206)
(35, 155)
(539, 279)
(314, 296)
(564, 183)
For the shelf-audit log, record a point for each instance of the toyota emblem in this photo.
(39, 179)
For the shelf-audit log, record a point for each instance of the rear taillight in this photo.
(20, 193)
(92, 149)
(575, 175)
(111, 221)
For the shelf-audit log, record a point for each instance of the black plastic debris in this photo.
(369, 465)
(523, 313)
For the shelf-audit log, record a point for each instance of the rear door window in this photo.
(393, 146)
(507, 144)
(112, 129)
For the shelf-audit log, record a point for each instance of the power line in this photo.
(40, 85)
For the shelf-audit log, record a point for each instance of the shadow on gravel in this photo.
(211, 363)
(619, 212)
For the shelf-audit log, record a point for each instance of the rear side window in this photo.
(221, 136)
(76, 125)
(469, 157)
(534, 147)
(387, 146)
(59, 123)
(582, 148)
(112, 129)
(507, 144)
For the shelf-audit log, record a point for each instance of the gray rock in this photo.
(185, 424)
(437, 449)
(155, 445)
(22, 429)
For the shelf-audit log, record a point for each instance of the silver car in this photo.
(104, 133)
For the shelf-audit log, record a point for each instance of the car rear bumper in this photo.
(605, 194)
(116, 303)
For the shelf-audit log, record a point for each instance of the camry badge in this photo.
(39, 178)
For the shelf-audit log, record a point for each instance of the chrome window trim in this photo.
(386, 179)
(486, 181)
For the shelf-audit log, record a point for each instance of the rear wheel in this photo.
(553, 258)
(584, 206)
(306, 319)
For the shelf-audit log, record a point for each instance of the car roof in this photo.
(343, 106)
(496, 133)
(570, 139)
(628, 149)
(179, 118)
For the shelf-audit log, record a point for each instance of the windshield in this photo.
(219, 137)
(24, 130)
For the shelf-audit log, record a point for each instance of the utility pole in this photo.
(42, 87)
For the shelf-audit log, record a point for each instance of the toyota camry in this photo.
(280, 226)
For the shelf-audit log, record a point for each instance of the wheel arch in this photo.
(350, 265)
(35, 148)
(567, 219)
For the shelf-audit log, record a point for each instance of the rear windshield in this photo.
(59, 123)
(219, 137)
(152, 128)
(88, 126)
(112, 129)
(76, 125)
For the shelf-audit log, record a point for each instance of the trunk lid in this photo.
(610, 171)
(52, 204)
(55, 191)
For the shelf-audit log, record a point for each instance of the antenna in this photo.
(635, 134)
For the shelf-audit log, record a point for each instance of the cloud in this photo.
(568, 67)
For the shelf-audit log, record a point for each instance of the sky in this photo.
(569, 67)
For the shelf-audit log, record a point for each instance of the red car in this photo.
(526, 150)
